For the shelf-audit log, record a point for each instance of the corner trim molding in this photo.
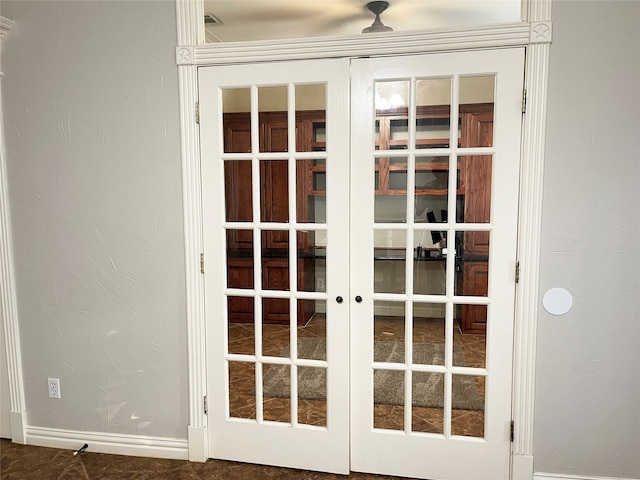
(184, 55)
(116, 444)
(9, 305)
(541, 32)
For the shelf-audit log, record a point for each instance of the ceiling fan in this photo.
(377, 26)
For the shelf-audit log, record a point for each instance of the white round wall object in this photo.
(557, 301)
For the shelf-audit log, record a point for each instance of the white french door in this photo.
(359, 236)
(277, 341)
(433, 255)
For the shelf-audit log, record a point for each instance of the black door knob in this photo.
(339, 299)
(358, 299)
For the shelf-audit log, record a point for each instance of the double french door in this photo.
(360, 235)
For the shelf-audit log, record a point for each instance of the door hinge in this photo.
(512, 431)
(206, 406)
(202, 263)
(198, 113)
(524, 100)
(517, 271)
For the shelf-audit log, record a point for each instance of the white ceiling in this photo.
(244, 20)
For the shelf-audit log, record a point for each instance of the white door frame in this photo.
(534, 34)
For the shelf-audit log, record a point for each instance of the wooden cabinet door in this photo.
(275, 179)
(240, 275)
(477, 131)
(476, 279)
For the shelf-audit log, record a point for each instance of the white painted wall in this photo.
(588, 370)
(90, 100)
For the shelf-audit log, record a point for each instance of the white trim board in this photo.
(111, 443)
(8, 299)
(561, 476)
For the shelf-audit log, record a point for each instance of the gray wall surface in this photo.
(587, 419)
(90, 93)
(91, 126)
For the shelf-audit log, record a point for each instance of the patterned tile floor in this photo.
(25, 462)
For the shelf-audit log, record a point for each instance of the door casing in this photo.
(535, 33)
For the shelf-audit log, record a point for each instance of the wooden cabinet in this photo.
(275, 276)
(477, 131)
(475, 276)
(274, 207)
(473, 191)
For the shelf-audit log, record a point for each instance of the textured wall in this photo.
(588, 373)
(92, 138)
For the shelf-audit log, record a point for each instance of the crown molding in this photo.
(397, 43)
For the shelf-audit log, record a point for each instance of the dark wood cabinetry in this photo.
(274, 207)
(475, 129)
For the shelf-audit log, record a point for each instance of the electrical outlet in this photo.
(54, 387)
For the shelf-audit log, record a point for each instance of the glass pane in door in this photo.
(390, 200)
(236, 107)
(433, 107)
(389, 332)
(272, 108)
(388, 398)
(467, 403)
(276, 390)
(477, 95)
(389, 261)
(427, 416)
(242, 380)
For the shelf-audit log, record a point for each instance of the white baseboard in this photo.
(562, 476)
(116, 444)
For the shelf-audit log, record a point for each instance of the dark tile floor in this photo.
(25, 462)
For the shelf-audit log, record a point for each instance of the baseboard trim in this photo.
(115, 444)
(562, 476)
